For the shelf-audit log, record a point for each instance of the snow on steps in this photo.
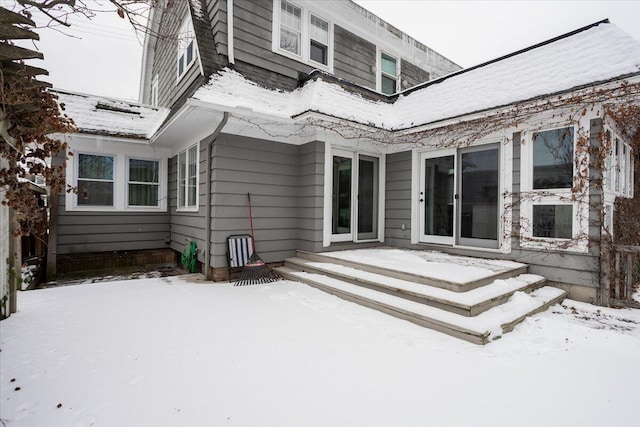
(480, 329)
(470, 303)
(462, 286)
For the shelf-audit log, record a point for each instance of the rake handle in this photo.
(253, 240)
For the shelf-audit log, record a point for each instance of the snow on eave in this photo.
(591, 56)
(99, 115)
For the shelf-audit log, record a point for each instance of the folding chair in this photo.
(239, 250)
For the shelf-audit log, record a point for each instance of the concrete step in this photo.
(480, 329)
(423, 275)
(470, 303)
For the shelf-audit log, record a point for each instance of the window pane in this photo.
(182, 178)
(143, 171)
(554, 221)
(95, 167)
(318, 53)
(341, 210)
(388, 85)
(95, 193)
(438, 197)
(143, 195)
(319, 30)
(181, 65)
(193, 176)
(290, 15)
(190, 52)
(290, 41)
(553, 159)
(388, 65)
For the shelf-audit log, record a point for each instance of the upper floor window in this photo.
(188, 178)
(553, 159)
(302, 35)
(388, 74)
(186, 47)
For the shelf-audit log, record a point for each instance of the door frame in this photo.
(505, 164)
(328, 236)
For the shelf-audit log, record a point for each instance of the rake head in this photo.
(256, 271)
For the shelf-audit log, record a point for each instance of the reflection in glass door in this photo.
(479, 195)
(341, 209)
(367, 197)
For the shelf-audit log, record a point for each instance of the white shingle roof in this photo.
(108, 116)
(587, 56)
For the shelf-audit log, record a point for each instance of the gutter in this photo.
(207, 234)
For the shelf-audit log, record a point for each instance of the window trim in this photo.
(181, 206)
(380, 73)
(186, 28)
(120, 150)
(128, 182)
(76, 179)
(550, 196)
(619, 166)
(305, 36)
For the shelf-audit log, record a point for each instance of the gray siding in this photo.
(410, 75)
(286, 186)
(354, 58)
(170, 89)
(82, 232)
(398, 199)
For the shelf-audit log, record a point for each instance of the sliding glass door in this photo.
(459, 194)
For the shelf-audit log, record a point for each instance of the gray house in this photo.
(348, 134)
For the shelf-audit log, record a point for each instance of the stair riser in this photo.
(455, 287)
(462, 310)
(470, 337)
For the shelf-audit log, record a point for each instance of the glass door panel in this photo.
(341, 209)
(367, 197)
(437, 197)
(479, 196)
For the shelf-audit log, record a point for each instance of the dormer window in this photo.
(301, 34)
(186, 47)
(388, 74)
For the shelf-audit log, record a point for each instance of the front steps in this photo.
(479, 313)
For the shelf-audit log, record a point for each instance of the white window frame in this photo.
(183, 205)
(77, 179)
(380, 73)
(120, 151)
(619, 166)
(305, 36)
(553, 196)
(330, 238)
(128, 182)
(186, 36)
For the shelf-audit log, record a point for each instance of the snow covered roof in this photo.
(108, 116)
(589, 55)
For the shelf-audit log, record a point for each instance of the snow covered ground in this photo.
(169, 352)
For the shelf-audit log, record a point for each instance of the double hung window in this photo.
(618, 165)
(188, 178)
(144, 182)
(95, 180)
(388, 74)
(186, 48)
(302, 35)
